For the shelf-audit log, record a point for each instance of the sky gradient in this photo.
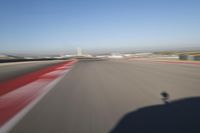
(57, 25)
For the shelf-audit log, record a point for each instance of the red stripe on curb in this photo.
(177, 62)
(23, 94)
(10, 85)
(170, 62)
(12, 103)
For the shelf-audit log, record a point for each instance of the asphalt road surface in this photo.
(95, 95)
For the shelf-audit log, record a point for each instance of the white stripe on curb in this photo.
(14, 120)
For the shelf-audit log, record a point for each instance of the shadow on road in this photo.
(182, 116)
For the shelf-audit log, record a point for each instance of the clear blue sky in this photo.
(47, 25)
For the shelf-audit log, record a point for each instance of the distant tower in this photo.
(79, 52)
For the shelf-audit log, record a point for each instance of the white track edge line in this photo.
(13, 121)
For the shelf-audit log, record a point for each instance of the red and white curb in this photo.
(15, 104)
(168, 61)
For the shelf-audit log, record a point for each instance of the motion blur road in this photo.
(12, 70)
(95, 95)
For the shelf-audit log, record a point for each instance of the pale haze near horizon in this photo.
(58, 25)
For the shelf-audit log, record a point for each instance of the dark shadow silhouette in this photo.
(182, 116)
